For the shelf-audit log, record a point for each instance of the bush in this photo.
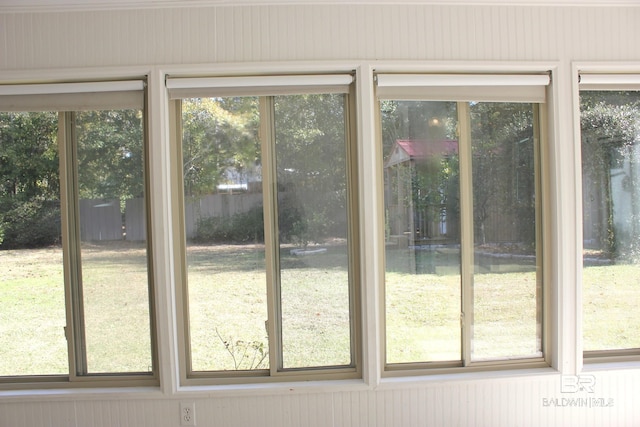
(239, 228)
(249, 226)
(31, 224)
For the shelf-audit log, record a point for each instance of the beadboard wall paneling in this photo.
(37, 42)
(316, 32)
(532, 401)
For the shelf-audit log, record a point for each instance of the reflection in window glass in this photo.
(610, 126)
(115, 287)
(312, 220)
(422, 281)
(425, 292)
(32, 306)
(506, 320)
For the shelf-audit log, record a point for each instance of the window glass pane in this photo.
(610, 125)
(506, 320)
(32, 305)
(225, 234)
(422, 231)
(312, 220)
(110, 162)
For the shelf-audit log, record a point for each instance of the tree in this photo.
(503, 168)
(219, 135)
(29, 186)
(110, 154)
(109, 161)
(610, 127)
(502, 163)
(311, 165)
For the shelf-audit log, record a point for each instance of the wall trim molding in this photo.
(41, 6)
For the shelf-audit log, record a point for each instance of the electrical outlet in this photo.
(187, 414)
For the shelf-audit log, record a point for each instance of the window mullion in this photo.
(538, 131)
(272, 256)
(180, 245)
(466, 225)
(353, 231)
(71, 240)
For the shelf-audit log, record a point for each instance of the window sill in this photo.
(601, 364)
(89, 393)
(317, 386)
(393, 382)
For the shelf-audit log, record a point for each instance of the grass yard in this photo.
(116, 306)
(32, 314)
(610, 297)
(423, 307)
(228, 310)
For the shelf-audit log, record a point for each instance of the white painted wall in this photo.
(38, 44)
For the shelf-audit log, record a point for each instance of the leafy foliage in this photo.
(610, 127)
(249, 226)
(110, 154)
(503, 166)
(239, 228)
(29, 185)
(110, 166)
(31, 224)
(311, 166)
(219, 135)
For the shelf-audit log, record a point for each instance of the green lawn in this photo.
(228, 305)
(32, 314)
(423, 316)
(610, 298)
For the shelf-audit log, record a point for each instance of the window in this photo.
(462, 200)
(268, 231)
(75, 301)
(610, 137)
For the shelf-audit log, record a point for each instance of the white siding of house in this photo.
(58, 45)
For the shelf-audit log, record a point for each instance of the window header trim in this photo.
(64, 88)
(104, 95)
(190, 87)
(438, 80)
(464, 87)
(609, 81)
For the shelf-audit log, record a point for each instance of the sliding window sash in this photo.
(462, 89)
(620, 83)
(68, 98)
(265, 88)
(112, 98)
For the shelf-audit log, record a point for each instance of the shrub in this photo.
(239, 228)
(31, 224)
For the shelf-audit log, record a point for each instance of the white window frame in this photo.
(599, 79)
(265, 87)
(533, 88)
(66, 98)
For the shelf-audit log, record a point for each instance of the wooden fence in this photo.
(103, 220)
